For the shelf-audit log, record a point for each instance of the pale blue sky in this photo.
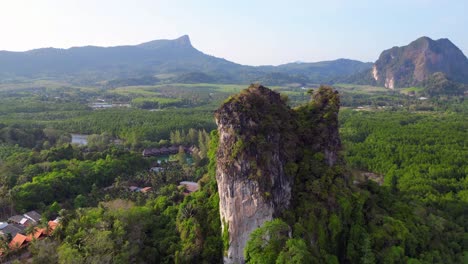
(245, 31)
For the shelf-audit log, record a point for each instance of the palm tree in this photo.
(44, 223)
(4, 245)
(30, 230)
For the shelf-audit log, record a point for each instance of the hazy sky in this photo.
(244, 31)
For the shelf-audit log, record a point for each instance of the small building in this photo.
(3, 225)
(134, 188)
(145, 153)
(157, 169)
(27, 219)
(173, 149)
(145, 189)
(17, 219)
(151, 152)
(20, 220)
(53, 225)
(189, 186)
(13, 229)
(33, 216)
(155, 151)
(108, 188)
(164, 151)
(18, 241)
(138, 189)
(39, 233)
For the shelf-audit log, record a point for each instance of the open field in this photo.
(355, 88)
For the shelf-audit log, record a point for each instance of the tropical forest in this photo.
(161, 153)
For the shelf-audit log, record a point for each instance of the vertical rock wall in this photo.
(252, 184)
(258, 136)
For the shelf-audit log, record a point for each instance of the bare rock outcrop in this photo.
(260, 139)
(416, 62)
(253, 149)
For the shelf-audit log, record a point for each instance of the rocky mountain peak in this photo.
(412, 64)
(260, 141)
(181, 42)
(184, 40)
(252, 184)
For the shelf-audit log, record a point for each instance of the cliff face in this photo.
(412, 64)
(251, 156)
(259, 137)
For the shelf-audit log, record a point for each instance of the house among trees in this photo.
(156, 169)
(138, 189)
(150, 152)
(145, 189)
(19, 241)
(165, 151)
(133, 188)
(189, 186)
(53, 225)
(173, 149)
(37, 234)
(33, 216)
(17, 219)
(27, 219)
(12, 230)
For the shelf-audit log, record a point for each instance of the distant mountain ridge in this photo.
(160, 56)
(418, 61)
(176, 57)
(326, 69)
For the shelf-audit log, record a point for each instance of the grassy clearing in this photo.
(411, 89)
(362, 89)
(136, 91)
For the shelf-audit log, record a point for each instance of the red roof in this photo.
(145, 190)
(18, 241)
(190, 186)
(38, 233)
(52, 226)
